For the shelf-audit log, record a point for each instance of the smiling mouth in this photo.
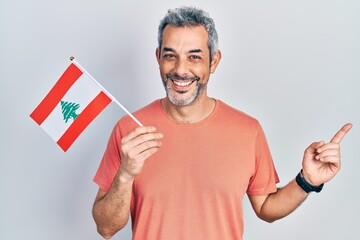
(181, 82)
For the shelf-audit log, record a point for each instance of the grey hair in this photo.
(190, 16)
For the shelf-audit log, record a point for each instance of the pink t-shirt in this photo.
(193, 187)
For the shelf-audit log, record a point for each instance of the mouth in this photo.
(180, 84)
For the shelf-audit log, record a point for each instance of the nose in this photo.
(181, 67)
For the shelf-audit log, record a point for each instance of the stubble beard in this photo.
(183, 102)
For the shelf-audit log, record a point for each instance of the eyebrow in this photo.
(167, 49)
(196, 51)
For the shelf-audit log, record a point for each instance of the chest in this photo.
(204, 163)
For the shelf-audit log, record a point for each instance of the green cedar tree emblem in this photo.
(69, 110)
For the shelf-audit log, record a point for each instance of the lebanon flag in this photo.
(70, 106)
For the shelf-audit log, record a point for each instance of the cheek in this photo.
(163, 71)
(166, 66)
(202, 71)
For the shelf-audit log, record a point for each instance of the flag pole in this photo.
(72, 59)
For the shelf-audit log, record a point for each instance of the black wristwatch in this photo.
(307, 187)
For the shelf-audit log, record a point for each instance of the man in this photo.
(184, 175)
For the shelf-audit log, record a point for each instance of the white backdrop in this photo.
(294, 65)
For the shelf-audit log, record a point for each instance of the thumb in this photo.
(315, 145)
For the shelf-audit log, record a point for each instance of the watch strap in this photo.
(307, 187)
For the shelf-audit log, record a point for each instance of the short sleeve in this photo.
(265, 177)
(110, 162)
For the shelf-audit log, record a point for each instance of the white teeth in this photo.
(182, 84)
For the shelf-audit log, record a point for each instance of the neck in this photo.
(195, 112)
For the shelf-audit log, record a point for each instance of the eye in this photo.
(169, 56)
(195, 57)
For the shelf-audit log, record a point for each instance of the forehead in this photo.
(185, 38)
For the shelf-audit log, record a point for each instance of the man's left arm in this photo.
(321, 162)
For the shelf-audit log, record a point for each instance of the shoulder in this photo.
(233, 116)
(237, 125)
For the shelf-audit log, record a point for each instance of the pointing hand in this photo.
(321, 160)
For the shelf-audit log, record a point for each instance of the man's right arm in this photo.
(111, 209)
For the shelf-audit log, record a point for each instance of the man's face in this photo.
(184, 63)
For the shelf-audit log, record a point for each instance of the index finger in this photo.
(139, 131)
(341, 133)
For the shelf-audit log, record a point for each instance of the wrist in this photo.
(306, 177)
(305, 185)
(124, 177)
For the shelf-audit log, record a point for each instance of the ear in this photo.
(157, 55)
(215, 61)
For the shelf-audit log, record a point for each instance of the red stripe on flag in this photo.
(58, 91)
(83, 120)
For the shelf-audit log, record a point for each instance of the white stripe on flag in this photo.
(82, 92)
